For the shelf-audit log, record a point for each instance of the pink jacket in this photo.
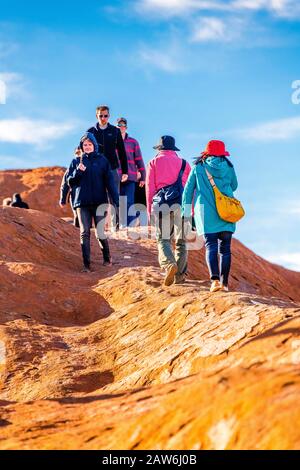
(162, 171)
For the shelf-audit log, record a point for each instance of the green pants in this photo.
(169, 227)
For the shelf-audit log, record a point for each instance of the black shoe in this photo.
(105, 252)
(86, 269)
(86, 256)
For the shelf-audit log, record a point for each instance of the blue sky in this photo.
(193, 68)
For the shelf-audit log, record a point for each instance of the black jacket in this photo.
(110, 142)
(90, 187)
(66, 192)
(64, 189)
(18, 202)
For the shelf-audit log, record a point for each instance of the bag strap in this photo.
(183, 165)
(210, 178)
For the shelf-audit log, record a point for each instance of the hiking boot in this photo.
(180, 278)
(86, 269)
(170, 274)
(215, 286)
(105, 252)
(86, 258)
(107, 262)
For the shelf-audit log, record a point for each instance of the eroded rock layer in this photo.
(113, 359)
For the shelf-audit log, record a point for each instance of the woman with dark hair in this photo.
(212, 167)
(168, 173)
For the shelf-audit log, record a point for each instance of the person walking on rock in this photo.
(17, 201)
(91, 179)
(66, 192)
(111, 145)
(140, 202)
(217, 233)
(135, 167)
(168, 173)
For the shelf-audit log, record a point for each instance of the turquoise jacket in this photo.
(199, 190)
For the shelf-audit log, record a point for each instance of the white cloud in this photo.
(249, 4)
(209, 29)
(282, 8)
(180, 8)
(14, 85)
(225, 21)
(168, 7)
(289, 260)
(220, 20)
(169, 60)
(29, 131)
(212, 29)
(2, 92)
(177, 4)
(282, 129)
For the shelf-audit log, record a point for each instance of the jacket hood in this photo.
(108, 125)
(217, 166)
(16, 198)
(91, 137)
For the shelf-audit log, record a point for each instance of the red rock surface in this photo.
(39, 187)
(115, 360)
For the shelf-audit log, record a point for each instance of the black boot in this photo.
(105, 251)
(86, 258)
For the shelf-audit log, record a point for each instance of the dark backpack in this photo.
(171, 194)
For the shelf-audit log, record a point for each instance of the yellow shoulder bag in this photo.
(228, 208)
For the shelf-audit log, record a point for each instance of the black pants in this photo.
(75, 216)
(86, 216)
(115, 215)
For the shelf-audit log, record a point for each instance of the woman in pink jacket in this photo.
(166, 169)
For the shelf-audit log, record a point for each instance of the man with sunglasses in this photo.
(136, 173)
(112, 146)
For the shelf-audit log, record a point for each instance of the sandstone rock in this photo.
(39, 187)
(115, 360)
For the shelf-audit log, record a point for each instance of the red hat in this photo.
(216, 148)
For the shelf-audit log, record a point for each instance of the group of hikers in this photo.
(108, 167)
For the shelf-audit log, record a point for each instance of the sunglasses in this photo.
(121, 125)
(103, 115)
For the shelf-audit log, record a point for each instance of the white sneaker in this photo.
(215, 286)
(225, 288)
